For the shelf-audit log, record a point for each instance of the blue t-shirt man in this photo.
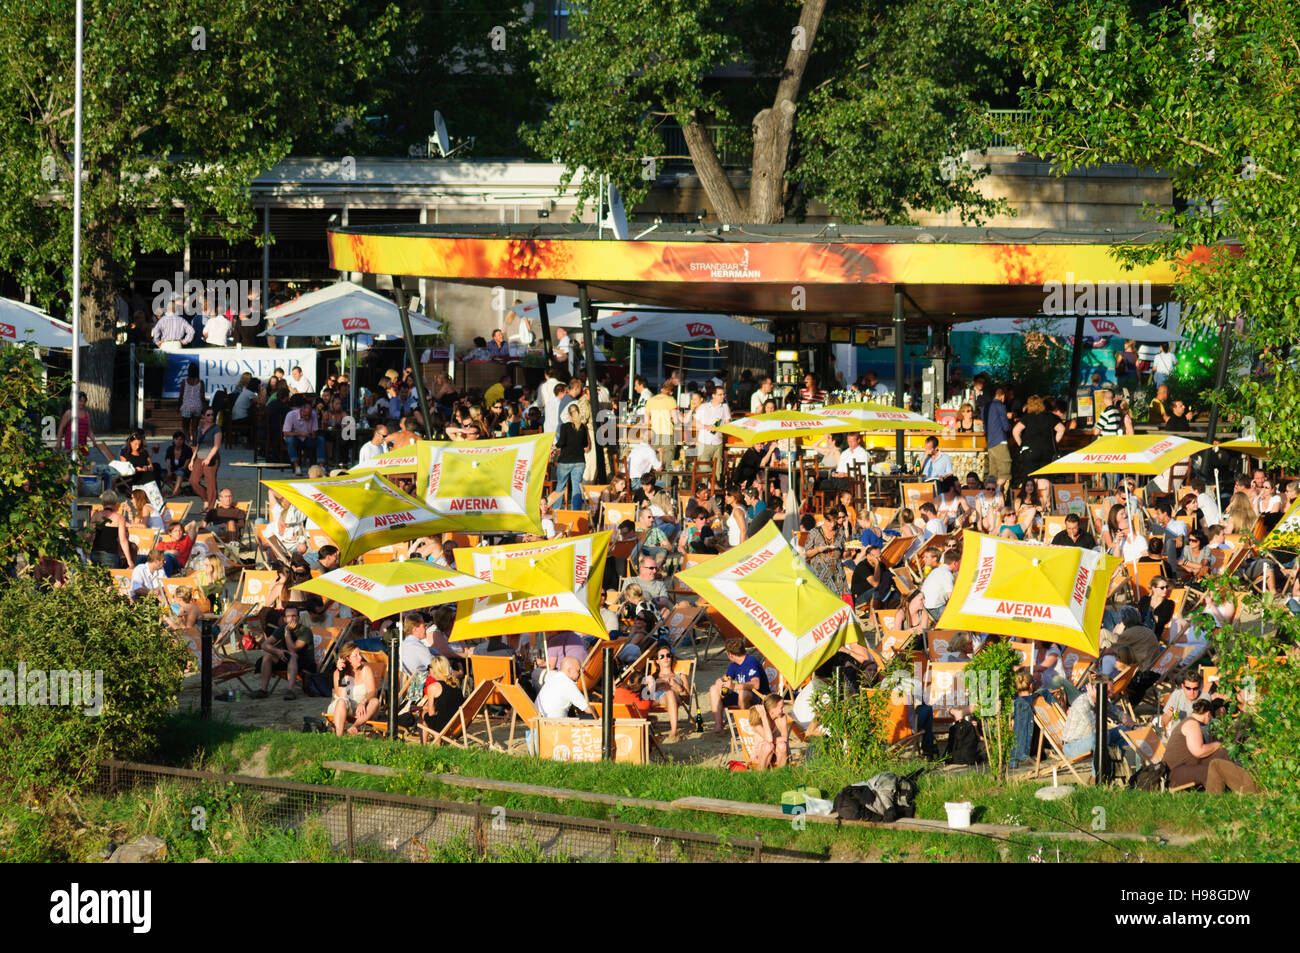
(743, 671)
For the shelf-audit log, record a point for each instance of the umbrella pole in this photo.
(394, 653)
(631, 369)
(352, 377)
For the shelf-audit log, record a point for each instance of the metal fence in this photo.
(1003, 121)
(379, 826)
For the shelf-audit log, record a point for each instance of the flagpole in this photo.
(76, 259)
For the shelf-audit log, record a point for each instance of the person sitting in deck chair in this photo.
(740, 686)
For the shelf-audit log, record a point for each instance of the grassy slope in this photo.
(222, 747)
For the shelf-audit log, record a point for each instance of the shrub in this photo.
(854, 724)
(999, 661)
(135, 669)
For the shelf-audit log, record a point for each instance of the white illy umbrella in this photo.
(671, 326)
(1094, 326)
(344, 308)
(23, 324)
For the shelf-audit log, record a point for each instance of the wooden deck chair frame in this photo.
(141, 537)
(914, 494)
(1145, 572)
(576, 522)
(495, 668)
(593, 666)
(223, 669)
(1146, 741)
(743, 740)
(379, 724)
(895, 550)
(683, 620)
(1048, 722)
(521, 708)
(611, 514)
(253, 586)
(177, 511)
(457, 731)
(893, 641)
(882, 516)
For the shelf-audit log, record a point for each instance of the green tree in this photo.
(61, 730)
(867, 106)
(35, 479)
(467, 60)
(1207, 93)
(183, 106)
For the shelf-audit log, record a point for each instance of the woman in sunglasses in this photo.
(667, 687)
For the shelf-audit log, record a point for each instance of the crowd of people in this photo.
(668, 436)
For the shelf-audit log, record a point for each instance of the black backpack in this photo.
(1150, 777)
(964, 744)
(885, 797)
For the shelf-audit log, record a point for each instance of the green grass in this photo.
(223, 747)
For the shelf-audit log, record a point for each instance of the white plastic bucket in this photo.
(958, 813)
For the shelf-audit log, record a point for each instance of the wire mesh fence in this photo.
(375, 825)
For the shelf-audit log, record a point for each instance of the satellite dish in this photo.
(440, 134)
(616, 219)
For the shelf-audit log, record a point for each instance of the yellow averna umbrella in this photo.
(1252, 448)
(488, 485)
(766, 590)
(413, 458)
(554, 586)
(385, 589)
(1145, 454)
(780, 425)
(360, 513)
(870, 416)
(1030, 590)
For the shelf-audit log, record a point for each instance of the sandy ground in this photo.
(278, 712)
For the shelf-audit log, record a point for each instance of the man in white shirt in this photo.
(298, 382)
(148, 577)
(641, 459)
(546, 389)
(563, 351)
(560, 690)
(711, 415)
(377, 444)
(414, 652)
(1175, 537)
(1205, 502)
(934, 524)
(551, 414)
(937, 588)
(854, 453)
(760, 396)
(1162, 365)
(215, 330)
(935, 465)
(874, 387)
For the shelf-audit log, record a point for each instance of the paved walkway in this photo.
(241, 480)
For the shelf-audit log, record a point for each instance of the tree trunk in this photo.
(713, 178)
(98, 325)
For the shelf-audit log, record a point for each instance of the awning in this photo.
(795, 272)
